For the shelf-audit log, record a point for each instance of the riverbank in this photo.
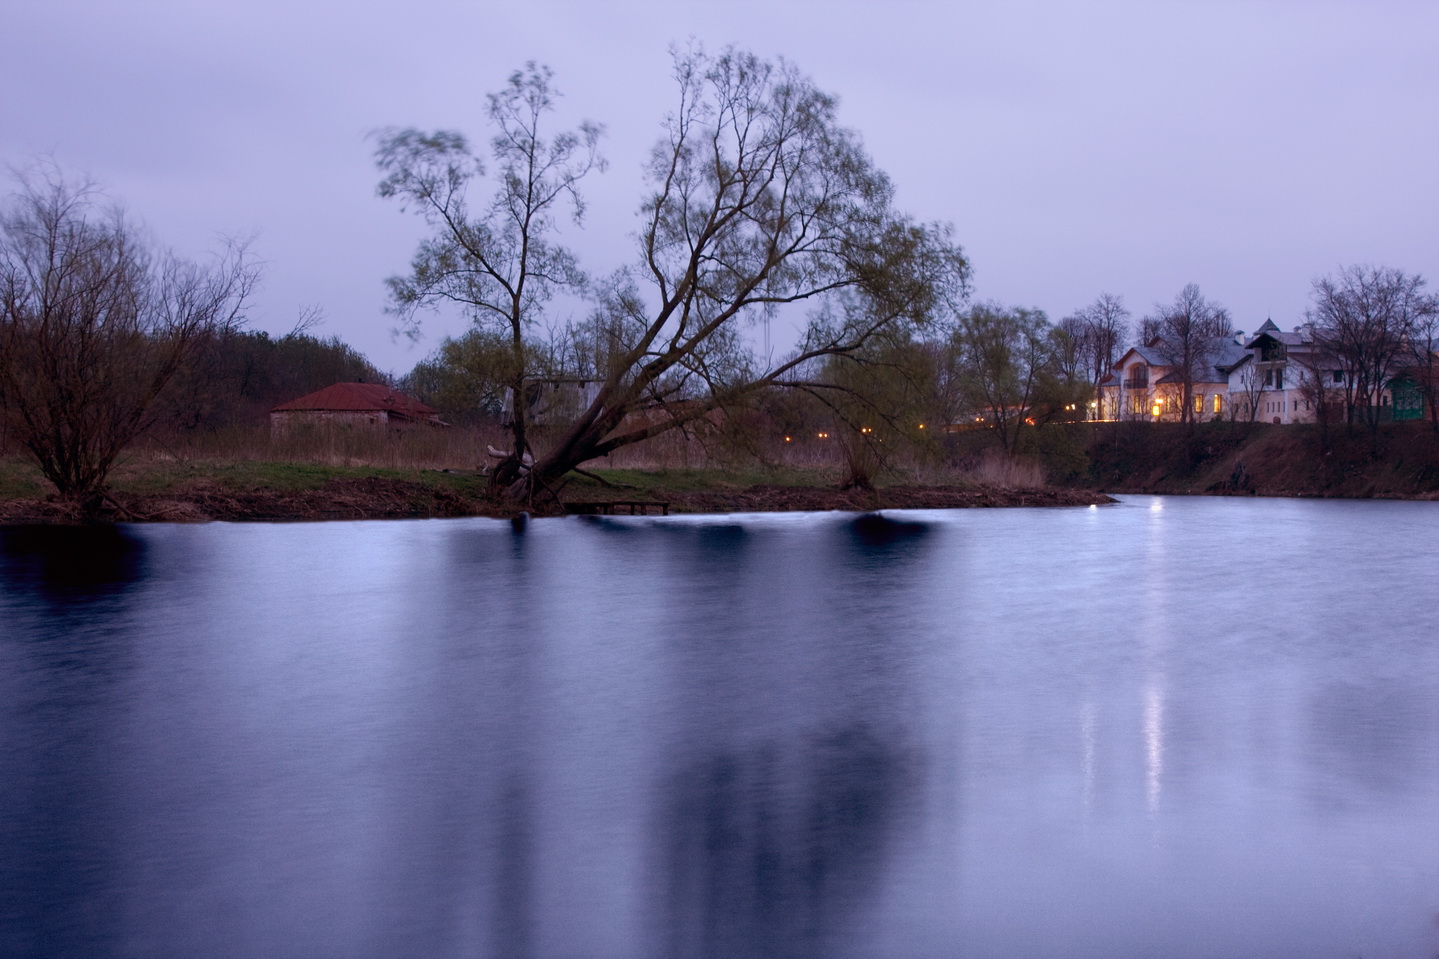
(1396, 461)
(200, 493)
(1083, 462)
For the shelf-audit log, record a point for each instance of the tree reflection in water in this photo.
(781, 805)
(770, 851)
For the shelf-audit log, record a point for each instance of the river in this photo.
(1178, 727)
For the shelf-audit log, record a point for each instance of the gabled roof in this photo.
(358, 398)
(1272, 332)
(1147, 352)
(1212, 368)
(1229, 355)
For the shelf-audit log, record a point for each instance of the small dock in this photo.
(616, 507)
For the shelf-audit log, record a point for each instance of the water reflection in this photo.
(793, 768)
(67, 564)
(1153, 744)
(1004, 733)
(777, 850)
(64, 663)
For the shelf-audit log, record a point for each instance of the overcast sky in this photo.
(1077, 148)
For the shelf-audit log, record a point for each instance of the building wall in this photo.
(284, 422)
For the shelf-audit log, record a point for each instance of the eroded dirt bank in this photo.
(385, 498)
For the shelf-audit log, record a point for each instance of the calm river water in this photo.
(1167, 728)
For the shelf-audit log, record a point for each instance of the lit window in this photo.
(1218, 403)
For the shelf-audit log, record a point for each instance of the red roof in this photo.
(359, 398)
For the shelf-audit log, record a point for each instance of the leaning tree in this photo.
(759, 204)
(759, 201)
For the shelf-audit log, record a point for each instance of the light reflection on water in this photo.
(1172, 727)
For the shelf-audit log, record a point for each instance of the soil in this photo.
(1397, 461)
(382, 498)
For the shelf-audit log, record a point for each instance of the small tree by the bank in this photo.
(1098, 330)
(1250, 381)
(95, 322)
(1316, 386)
(466, 377)
(1189, 332)
(883, 403)
(1004, 359)
(1367, 318)
(1424, 350)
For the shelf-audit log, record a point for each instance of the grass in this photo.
(696, 478)
(241, 460)
(20, 480)
(1400, 460)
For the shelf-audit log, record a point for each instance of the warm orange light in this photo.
(1156, 409)
(921, 426)
(786, 439)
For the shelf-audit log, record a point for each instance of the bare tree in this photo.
(1149, 329)
(1424, 355)
(500, 263)
(1367, 317)
(1251, 388)
(94, 325)
(1189, 333)
(1316, 385)
(1101, 328)
(760, 201)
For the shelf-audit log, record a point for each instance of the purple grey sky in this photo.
(1077, 147)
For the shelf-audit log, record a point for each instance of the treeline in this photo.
(235, 377)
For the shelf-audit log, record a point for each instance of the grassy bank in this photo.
(246, 476)
(162, 484)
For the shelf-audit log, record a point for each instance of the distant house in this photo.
(554, 401)
(363, 405)
(1147, 384)
(1271, 376)
(1275, 382)
(1289, 373)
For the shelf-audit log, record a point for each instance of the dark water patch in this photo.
(1118, 732)
(71, 563)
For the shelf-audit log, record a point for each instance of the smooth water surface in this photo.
(1172, 727)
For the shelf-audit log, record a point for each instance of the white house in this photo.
(1282, 377)
(1147, 383)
